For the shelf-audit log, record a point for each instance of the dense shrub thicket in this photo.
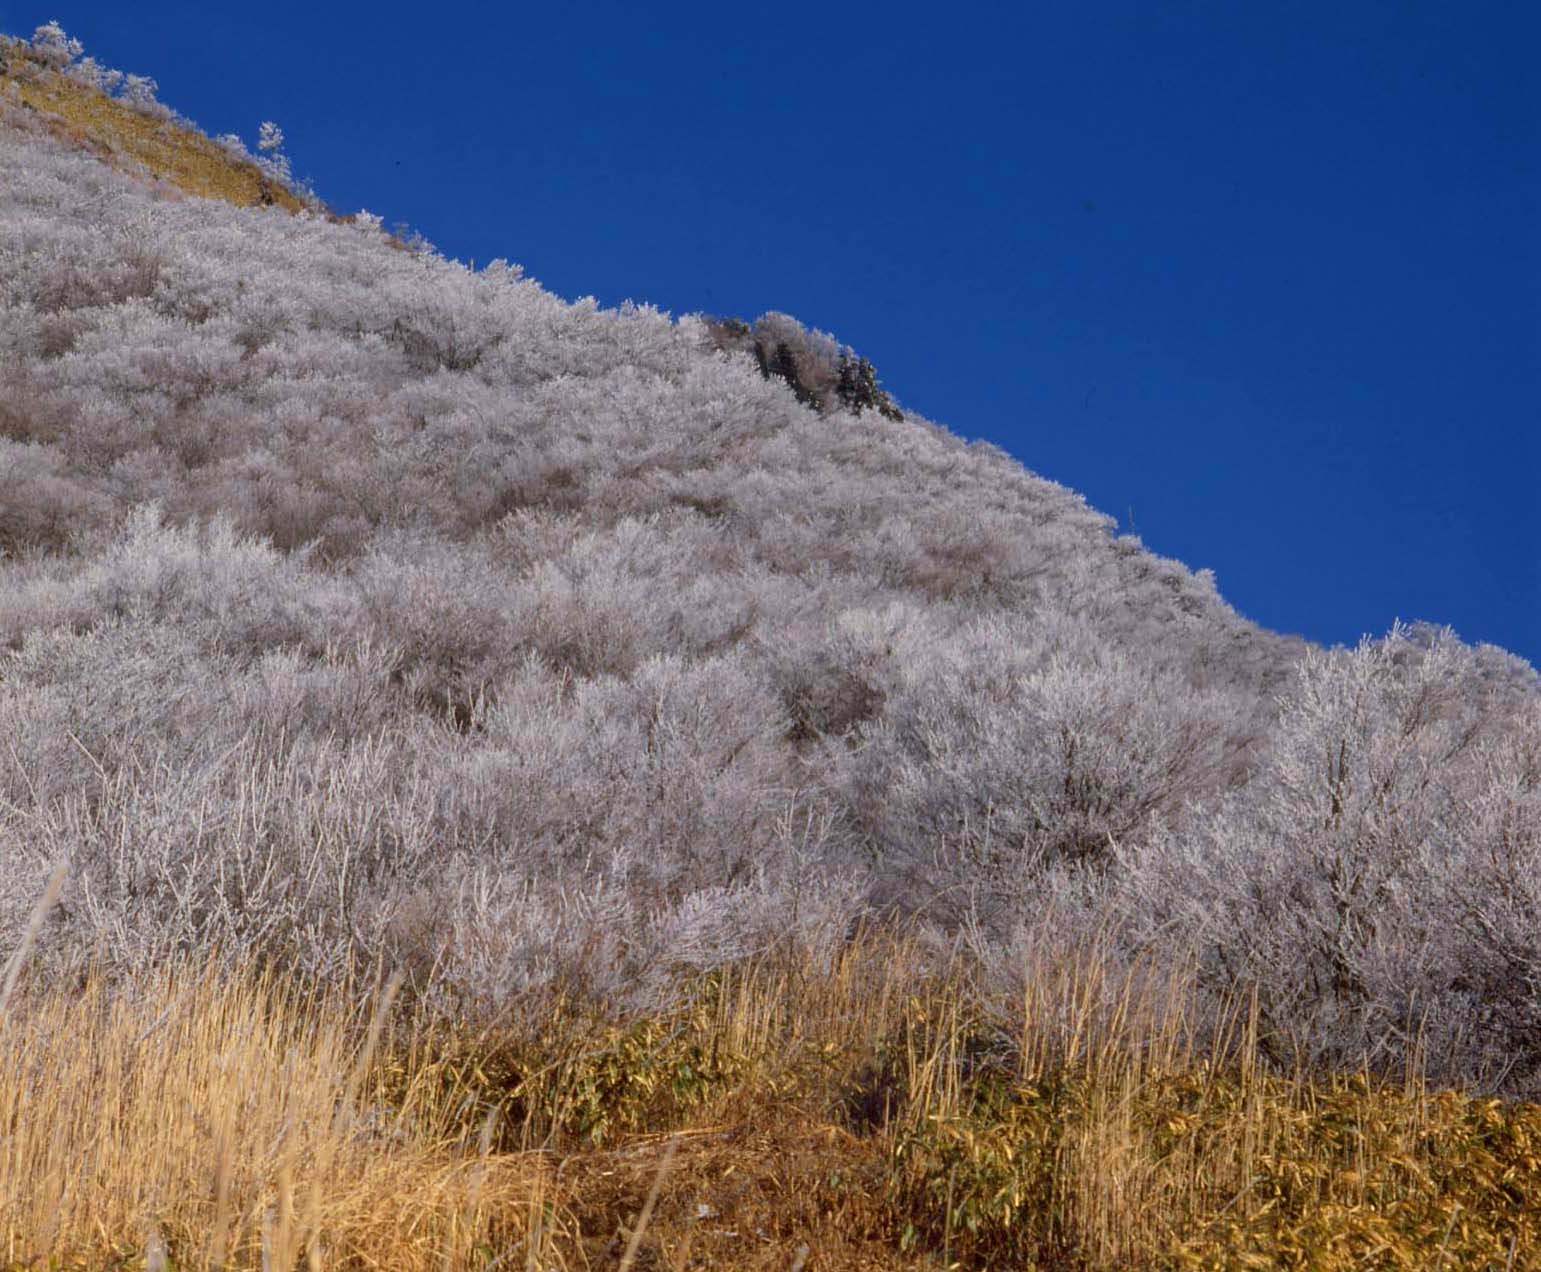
(821, 372)
(356, 605)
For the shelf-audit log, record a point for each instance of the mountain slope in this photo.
(362, 606)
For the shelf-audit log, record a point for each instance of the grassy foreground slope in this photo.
(534, 785)
(869, 1118)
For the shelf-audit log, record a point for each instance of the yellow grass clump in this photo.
(878, 1115)
(128, 139)
(216, 1121)
(1117, 1144)
(875, 1113)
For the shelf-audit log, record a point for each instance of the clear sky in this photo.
(1262, 280)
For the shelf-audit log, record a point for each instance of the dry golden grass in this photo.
(127, 139)
(1117, 1144)
(881, 1117)
(873, 1116)
(236, 1124)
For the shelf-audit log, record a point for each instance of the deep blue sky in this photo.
(1263, 279)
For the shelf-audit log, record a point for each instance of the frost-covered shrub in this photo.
(94, 75)
(834, 677)
(79, 705)
(237, 594)
(1000, 758)
(453, 622)
(54, 47)
(1372, 884)
(139, 92)
(270, 151)
(672, 780)
(234, 146)
(41, 505)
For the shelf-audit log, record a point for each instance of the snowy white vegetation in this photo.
(56, 48)
(60, 52)
(357, 605)
(270, 150)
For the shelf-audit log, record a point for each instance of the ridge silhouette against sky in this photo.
(1264, 283)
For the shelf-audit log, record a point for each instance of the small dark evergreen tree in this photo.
(858, 388)
(783, 363)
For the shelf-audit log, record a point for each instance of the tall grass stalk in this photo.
(240, 1121)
